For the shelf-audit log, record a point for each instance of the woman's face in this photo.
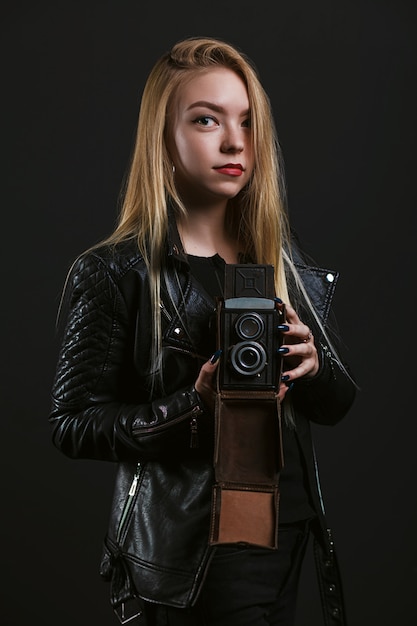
(210, 139)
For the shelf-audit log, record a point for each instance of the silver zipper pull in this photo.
(194, 433)
(134, 484)
(165, 311)
(194, 427)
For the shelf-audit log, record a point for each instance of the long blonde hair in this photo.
(257, 215)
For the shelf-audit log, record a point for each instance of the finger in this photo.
(309, 336)
(306, 368)
(295, 328)
(291, 315)
(283, 390)
(205, 377)
(300, 350)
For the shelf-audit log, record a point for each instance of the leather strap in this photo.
(330, 582)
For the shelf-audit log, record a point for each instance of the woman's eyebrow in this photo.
(206, 104)
(211, 105)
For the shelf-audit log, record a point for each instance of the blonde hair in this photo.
(257, 214)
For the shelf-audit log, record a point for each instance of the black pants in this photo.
(246, 586)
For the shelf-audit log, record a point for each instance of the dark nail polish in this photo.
(215, 357)
(290, 386)
(285, 377)
(283, 350)
(278, 300)
(283, 327)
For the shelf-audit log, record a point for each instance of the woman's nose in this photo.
(233, 141)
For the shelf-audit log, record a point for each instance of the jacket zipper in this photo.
(194, 427)
(134, 485)
(165, 311)
(196, 411)
(192, 414)
(129, 502)
(330, 356)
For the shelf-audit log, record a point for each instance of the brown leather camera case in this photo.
(247, 461)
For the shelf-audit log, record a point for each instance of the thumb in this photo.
(216, 356)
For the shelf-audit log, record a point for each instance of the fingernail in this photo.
(285, 377)
(283, 327)
(215, 357)
(283, 350)
(290, 386)
(278, 300)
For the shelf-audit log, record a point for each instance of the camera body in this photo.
(248, 317)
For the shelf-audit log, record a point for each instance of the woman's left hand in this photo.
(300, 358)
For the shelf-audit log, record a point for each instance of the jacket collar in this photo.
(320, 283)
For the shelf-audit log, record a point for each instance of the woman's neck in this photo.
(203, 233)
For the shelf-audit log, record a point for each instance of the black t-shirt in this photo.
(294, 500)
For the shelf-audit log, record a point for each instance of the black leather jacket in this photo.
(105, 407)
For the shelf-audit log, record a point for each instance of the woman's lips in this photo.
(230, 169)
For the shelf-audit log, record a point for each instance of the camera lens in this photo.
(248, 358)
(249, 326)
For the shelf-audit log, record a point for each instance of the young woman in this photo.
(136, 380)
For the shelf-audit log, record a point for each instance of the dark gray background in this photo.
(341, 77)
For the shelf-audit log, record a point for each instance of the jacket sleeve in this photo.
(90, 417)
(327, 397)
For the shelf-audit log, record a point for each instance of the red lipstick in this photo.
(230, 169)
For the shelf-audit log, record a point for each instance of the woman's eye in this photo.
(204, 120)
(247, 123)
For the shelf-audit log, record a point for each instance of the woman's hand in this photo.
(300, 358)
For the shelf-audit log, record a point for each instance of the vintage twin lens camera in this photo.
(247, 329)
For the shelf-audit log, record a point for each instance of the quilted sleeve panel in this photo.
(90, 416)
(90, 332)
